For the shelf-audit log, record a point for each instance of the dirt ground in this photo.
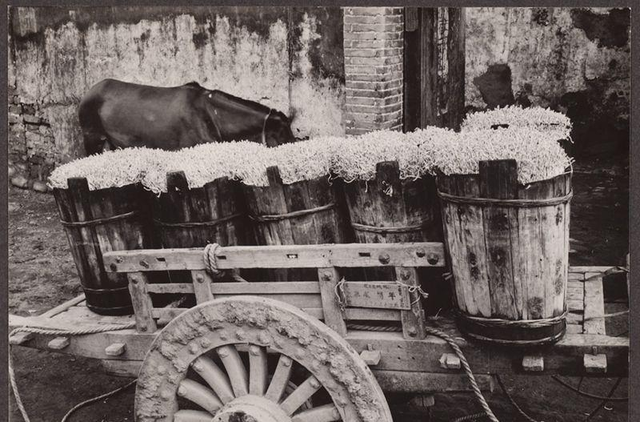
(42, 275)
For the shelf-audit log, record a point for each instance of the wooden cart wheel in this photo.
(232, 360)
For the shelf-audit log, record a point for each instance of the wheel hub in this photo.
(251, 408)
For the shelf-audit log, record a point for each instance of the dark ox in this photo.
(115, 114)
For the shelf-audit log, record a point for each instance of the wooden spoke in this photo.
(280, 379)
(215, 377)
(258, 370)
(326, 413)
(300, 395)
(192, 416)
(200, 395)
(235, 369)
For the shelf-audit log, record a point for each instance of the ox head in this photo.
(278, 129)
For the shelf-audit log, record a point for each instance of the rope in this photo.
(513, 403)
(520, 203)
(613, 314)
(210, 259)
(54, 331)
(390, 229)
(98, 221)
(277, 217)
(463, 361)
(473, 417)
(585, 394)
(197, 223)
(95, 399)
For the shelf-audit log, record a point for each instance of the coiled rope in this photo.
(211, 263)
(68, 332)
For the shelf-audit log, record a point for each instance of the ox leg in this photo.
(94, 143)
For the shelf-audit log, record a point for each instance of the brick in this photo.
(378, 27)
(373, 100)
(374, 44)
(17, 109)
(372, 35)
(376, 118)
(371, 109)
(355, 71)
(396, 83)
(369, 126)
(373, 19)
(373, 61)
(373, 93)
(372, 52)
(375, 78)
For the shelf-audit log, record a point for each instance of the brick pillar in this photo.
(373, 63)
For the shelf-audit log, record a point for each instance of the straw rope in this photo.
(99, 221)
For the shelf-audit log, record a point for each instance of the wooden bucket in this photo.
(388, 209)
(100, 221)
(307, 212)
(191, 218)
(509, 247)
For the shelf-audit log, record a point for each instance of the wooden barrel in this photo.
(307, 212)
(186, 217)
(508, 246)
(99, 221)
(388, 209)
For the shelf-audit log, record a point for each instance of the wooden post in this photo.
(142, 304)
(328, 279)
(412, 320)
(202, 286)
(434, 67)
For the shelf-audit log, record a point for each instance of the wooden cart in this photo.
(259, 349)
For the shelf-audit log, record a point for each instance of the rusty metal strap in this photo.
(519, 203)
(198, 223)
(390, 229)
(99, 221)
(294, 214)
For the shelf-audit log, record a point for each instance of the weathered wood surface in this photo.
(142, 303)
(422, 254)
(593, 307)
(278, 199)
(408, 210)
(106, 293)
(194, 217)
(398, 354)
(508, 262)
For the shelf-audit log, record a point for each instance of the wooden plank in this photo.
(63, 307)
(333, 315)
(574, 328)
(422, 356)
(202, 286)
(416, 383)
(21, 338)
(594, 307)
(383, 295)
(590, 269)
(364, 314)
(499, 179)
(419, 254)
(141, 301)
(412, 319)
(184, 288)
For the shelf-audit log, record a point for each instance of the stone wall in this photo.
(573, 60)
(288, 58)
